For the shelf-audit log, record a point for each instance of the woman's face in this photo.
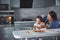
(49, 18)
(38, 20)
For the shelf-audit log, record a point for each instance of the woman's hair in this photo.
(53, 15)
(39, 17)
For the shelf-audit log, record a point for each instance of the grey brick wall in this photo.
(38, 3)
(57, 2)
(33, 12)
(43, 3)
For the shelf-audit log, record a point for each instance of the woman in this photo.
(52, 20)
(52, 23)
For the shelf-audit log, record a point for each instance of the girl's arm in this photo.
(34, 29)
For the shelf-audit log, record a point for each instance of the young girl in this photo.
(39, 24)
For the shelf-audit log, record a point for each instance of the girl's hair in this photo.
(53, 15)
(39, 17)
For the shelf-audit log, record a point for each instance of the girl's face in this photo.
(38, 20)
(49, 18)
(42, 24)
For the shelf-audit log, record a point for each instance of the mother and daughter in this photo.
(52, 23)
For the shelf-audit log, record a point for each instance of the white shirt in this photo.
(38, 26)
